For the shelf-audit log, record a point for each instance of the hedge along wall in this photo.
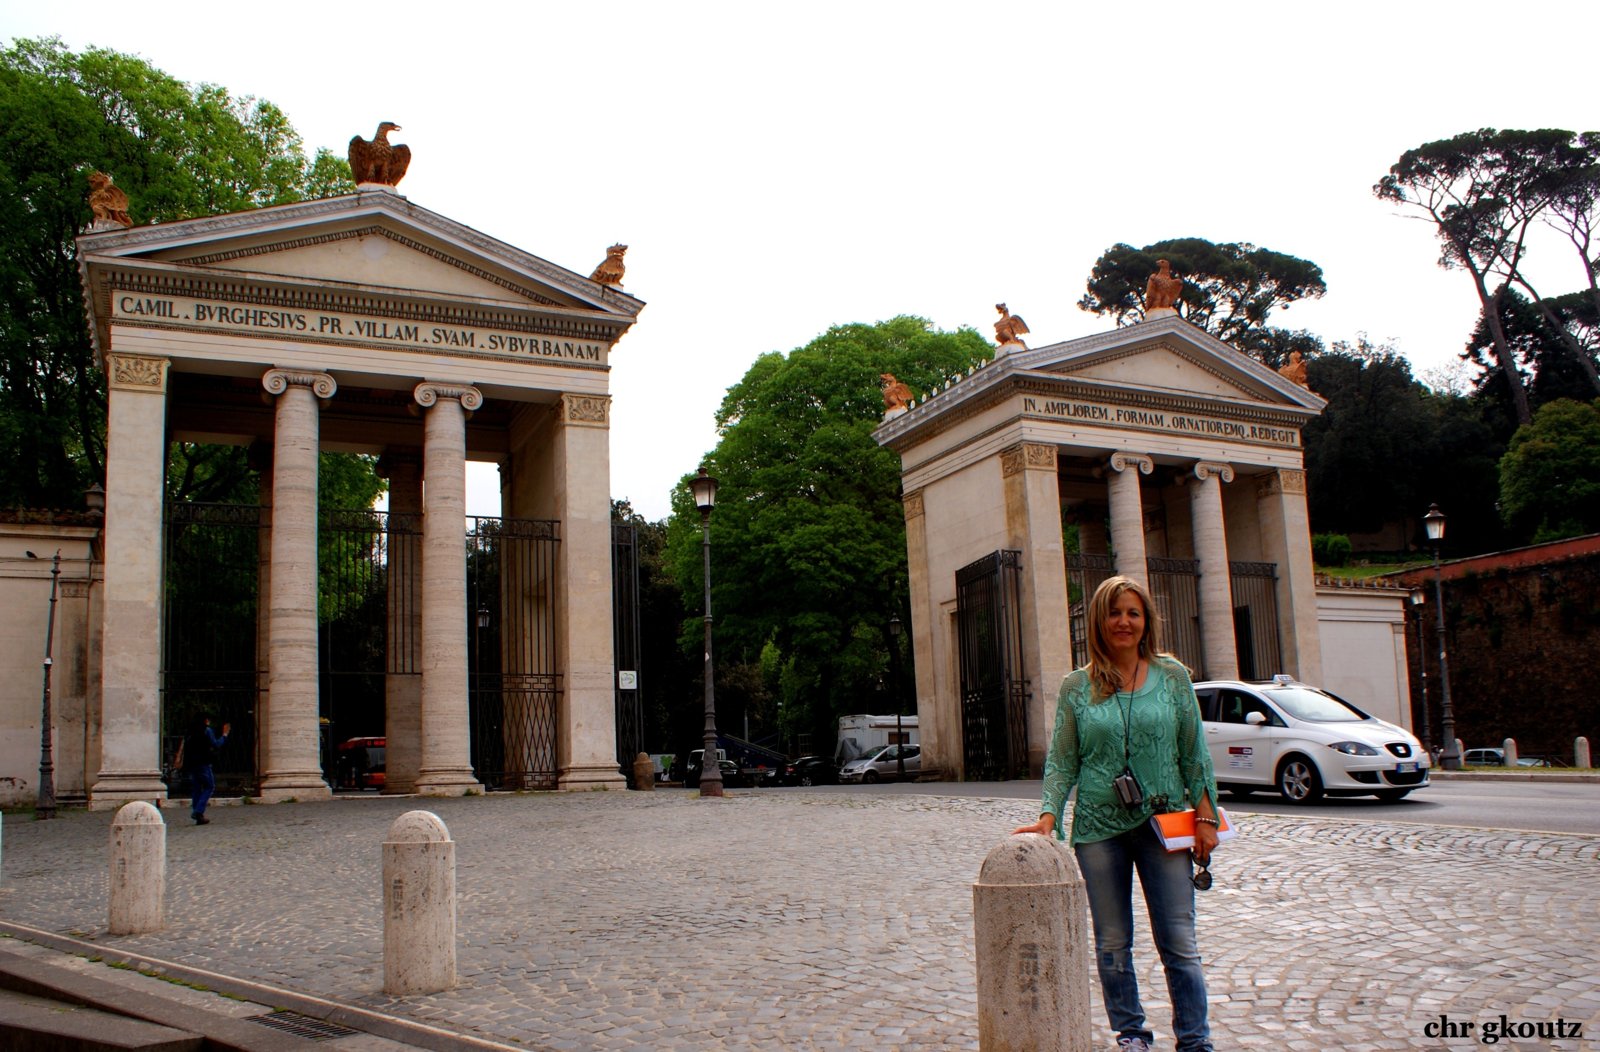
(1524, 650)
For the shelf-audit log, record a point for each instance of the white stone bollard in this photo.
(1509, 747)
(419, 906)
(1461, 748)
(138, 869)
(1580, 752)
(1031, 925)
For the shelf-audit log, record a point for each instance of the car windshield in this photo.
(1313, 706)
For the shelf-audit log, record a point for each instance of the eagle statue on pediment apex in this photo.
(378, 161)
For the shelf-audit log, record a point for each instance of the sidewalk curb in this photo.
(1587, 778)
(394, 1028)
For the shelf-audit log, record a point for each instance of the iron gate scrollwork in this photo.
(514, 688)
(994, 691)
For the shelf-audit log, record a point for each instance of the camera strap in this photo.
(1127, 722)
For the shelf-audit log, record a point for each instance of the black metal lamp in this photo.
(704, 488)
(1434, 523)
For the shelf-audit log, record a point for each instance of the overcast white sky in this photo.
(777, 169)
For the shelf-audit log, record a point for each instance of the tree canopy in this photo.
(1486, 193)
(809, 558)
(1230, 290)
(1550, 476)
(178, 151)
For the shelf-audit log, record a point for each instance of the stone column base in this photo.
(302, 788)
(112, 791)
(591, 776)
(447, 783)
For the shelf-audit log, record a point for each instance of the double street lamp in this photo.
(1434, 522)
(704, 488)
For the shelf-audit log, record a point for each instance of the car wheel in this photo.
(1299, 781)
(1390, 796)
(805, 779)
(870, 777)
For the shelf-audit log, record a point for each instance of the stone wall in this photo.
(1523, 641)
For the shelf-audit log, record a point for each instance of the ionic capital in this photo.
(1204, 469)
(428, 394)
(277, 381)
(1123, 461)
(134, 372)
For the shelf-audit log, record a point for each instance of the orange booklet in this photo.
(1176, 829)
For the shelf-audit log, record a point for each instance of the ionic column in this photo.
(130, 665)
(1286, 540)
(1216, 584)
(1033, 525)
(402, 685)
(446, 767)
(291, 757)
(1127, 513)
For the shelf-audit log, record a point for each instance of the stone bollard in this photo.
(1031, 925)
(1580, 752)
(644, 772)
(1461, 748)
(419, 906)
(138, 869)
(1509, 747)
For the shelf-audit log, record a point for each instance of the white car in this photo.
(883, 763)
(1305, 743)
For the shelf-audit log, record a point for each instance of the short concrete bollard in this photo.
(1580, 752)
(138, 870)
(644, 772)
(419, 906)
(1031, 925)
(1509, 747)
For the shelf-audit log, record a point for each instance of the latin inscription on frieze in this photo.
(247, 319)
(1159, 420)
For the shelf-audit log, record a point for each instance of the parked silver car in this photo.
(883, 763)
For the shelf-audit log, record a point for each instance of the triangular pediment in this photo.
(371, 242)
(1166, 356)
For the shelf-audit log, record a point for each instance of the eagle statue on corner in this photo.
(377, 161)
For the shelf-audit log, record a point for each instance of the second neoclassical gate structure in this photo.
(363, 324)
(1179, 460)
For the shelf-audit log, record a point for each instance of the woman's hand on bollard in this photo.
(1044, 826)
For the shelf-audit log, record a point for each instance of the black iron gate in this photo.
(1085, 573)
(994, 691)
(1255, 619)
(1175, 586)
(211, 664)
(625, 642)
(514, 686)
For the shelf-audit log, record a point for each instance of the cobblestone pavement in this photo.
(808, 920)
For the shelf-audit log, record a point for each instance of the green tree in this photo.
(1550, 476)
(809, 558)
(178, 151)
(1230, 290)
(1484, 192)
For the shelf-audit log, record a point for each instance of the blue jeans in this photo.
(204, 784)
(1108, 867)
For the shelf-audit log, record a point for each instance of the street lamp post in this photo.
(46, 806)
(704, 488)
(895, 628)
(1434, 521)
(1418, 597)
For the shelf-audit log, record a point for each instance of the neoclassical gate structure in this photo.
(1179, 459)
(367, 324)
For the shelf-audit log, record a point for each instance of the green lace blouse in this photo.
(1166, 750)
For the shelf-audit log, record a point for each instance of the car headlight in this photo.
(1354, 748)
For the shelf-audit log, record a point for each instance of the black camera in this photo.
(1129, 792)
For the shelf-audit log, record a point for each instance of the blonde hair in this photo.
(1103, 675)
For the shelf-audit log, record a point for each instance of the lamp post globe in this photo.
(1434, 523)
(704, 489)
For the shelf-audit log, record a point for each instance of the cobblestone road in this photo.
(799, 920)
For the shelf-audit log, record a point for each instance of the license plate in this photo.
(1405, 768)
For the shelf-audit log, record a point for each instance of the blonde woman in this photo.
(1128, 736)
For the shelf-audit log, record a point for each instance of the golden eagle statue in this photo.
(377, 161)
